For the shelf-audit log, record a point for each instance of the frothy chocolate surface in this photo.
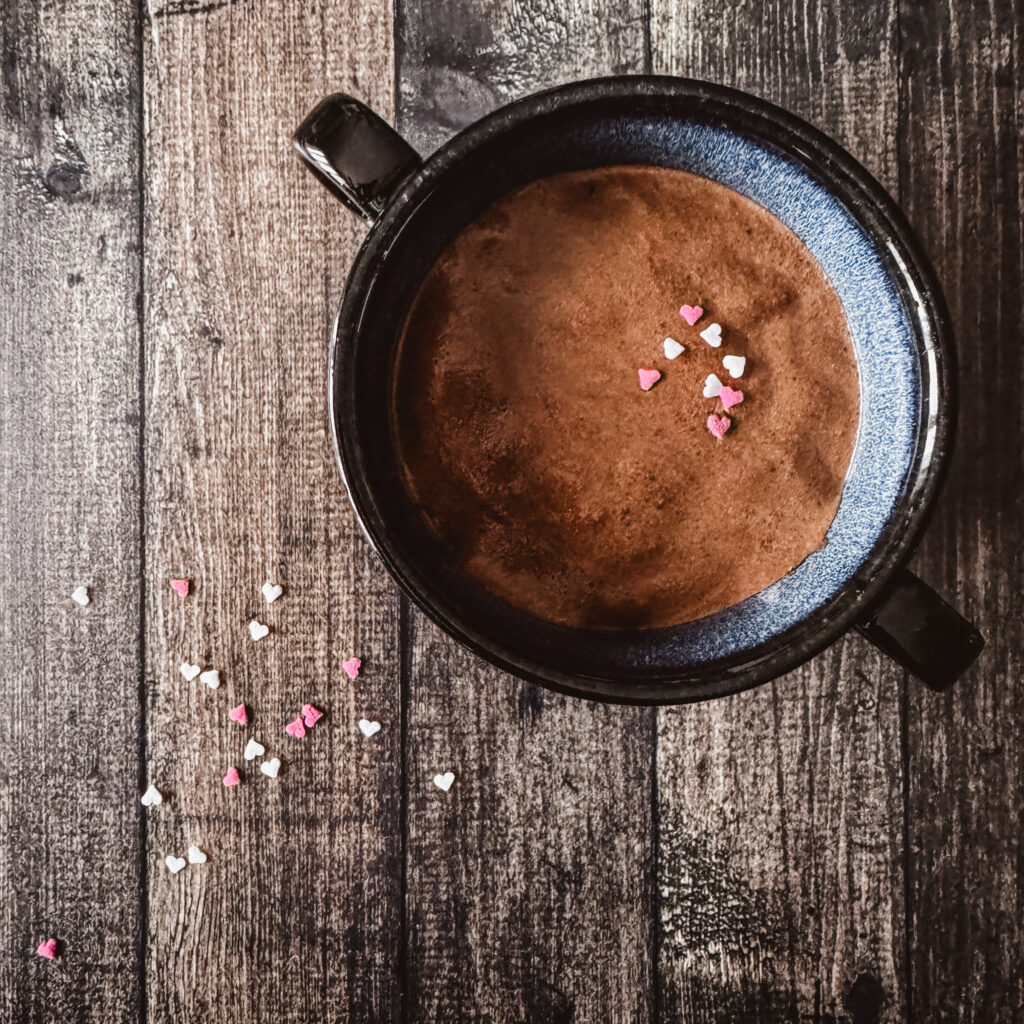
(525, 437)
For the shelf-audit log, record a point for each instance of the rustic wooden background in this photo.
(840, 846)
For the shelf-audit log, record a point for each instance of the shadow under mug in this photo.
(898, 324)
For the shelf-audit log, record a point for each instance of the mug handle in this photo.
(355, 154)
(913, 625)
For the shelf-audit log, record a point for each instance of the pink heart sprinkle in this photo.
(351, 667)
(648, 378)
(180, 587)
(728, 397)
(691, 314)
(296, 729)
(48, 949)
(718, 425)
(238, 715)
(231, 777)
(310, 715)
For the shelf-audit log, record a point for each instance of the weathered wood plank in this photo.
(529, 882)
(781, 811)
(296, 916)
(961, 159)
(69, 511)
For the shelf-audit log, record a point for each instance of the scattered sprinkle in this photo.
(180, 587)
(296, 729)
(254, 749)
(271, 768)
(189, 671)
(174, 864)
(80, 596)
(691, 314)
(239, 715)
(648, 378)
(231, 777)
(257, 630)
(211, 677)
(672, 348)
(729, 397)
(351, 667)
(444, 781)
(712, 386)
(719, 425)
(272, 591)
(310, 715)
(152, 797)
(196, 856)
(712, 335)
(368, 728)
(735, 365)
(47, 949)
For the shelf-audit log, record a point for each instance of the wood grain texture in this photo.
(296, 916)
(961, 184)
(530, 882)
(69, 511)
(781, 810)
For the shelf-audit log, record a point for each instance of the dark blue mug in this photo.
(898, 324)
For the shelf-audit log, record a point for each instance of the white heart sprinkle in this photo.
(196, 856)
(152, 797)
(672, 348)
(257, 630)
(254, 749)
(444, 781)
(368, 728)
(735, 365)
(272, 591)
(712, 386)
(81, 596)
(189, 671)
(211, 677)
(712, 335)
(174, 864)
(271, 767)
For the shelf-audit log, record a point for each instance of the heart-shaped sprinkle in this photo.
(47, 949)
(238, 715)
(80, 595)
(691, 314)
(180, 587)
(444, 781)
(310, 715)
(368, 728)
(196, 856)
(735, 365)
(272, 591)
(257, 630)
(648, 378)
(712, 386)
(712, 335)
(719, 425)
(296, 729)
(254, 749)
(271, 768)
(174, 864)
(672, 348)
(231, 777)
(211, 677)
(729, 397)
(351, 667)
(189, 671)
(152, 796)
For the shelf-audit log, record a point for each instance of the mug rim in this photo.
(864, 198)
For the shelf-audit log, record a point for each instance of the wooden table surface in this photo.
(841, 845)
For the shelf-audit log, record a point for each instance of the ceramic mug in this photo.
(898, 324)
